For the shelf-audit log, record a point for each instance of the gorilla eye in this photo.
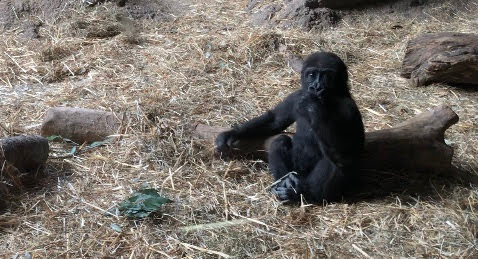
(310, 77)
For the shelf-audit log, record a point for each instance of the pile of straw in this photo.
(208, 65)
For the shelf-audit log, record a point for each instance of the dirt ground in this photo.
(207, 64)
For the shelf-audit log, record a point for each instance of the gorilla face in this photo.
(318, 80)
(324, 72)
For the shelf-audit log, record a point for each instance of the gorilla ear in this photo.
(296, 63)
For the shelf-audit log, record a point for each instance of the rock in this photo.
(299, 13)
(307, 15)
(446, 57)
(160, 10)
(252, 4)
(14, 10)
(30, 30)
(265, 14)
(340, 4)
(344, 4)
(295, 63)
(318, 14)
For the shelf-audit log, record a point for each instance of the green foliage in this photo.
(78, 149)
(73, 151)
(142, 203)
(116, 227)
(54, 138)
(98, 143)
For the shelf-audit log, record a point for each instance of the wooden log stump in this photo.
(24, 152)
(21, 155)
(80, 125)
(416, 144)
(444, 57)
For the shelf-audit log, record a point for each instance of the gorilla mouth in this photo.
(317, 90)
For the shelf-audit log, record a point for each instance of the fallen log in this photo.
(442, 57)
(24, 152)
(21, 155)
(80, 125)
(416, 144)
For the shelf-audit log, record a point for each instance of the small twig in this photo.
(226, 210)
(4, 128)
(205, 250)
(98, 208)
(68, 68)
(254, 221)
(361, 251)
(159, 252)
(14, 61)
(60, 156)
(280, 179)
(30, 225)
(215, 225)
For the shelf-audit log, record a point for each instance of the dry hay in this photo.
(13, 12)
(209, 66)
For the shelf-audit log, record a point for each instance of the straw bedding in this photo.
(208, 65)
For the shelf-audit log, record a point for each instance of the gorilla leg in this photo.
(325, 182)
(280, 156)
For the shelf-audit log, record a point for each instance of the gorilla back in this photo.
(324, 152)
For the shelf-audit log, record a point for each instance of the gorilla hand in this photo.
(288, 189)
(225, 141)
(308, 105)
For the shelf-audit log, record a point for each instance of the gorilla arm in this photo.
(270, 123)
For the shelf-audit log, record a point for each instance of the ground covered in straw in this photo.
(207, 65)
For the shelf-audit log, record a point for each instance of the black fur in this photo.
(329, 139)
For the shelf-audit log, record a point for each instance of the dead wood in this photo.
(25, 153)
(416, 144)
(444, 57)
(80, 125)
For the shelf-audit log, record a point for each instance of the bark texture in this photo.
(444, 57)
(416, 144)
(80, 125)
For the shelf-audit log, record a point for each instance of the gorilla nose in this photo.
(315, 88)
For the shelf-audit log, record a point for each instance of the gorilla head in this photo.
(324, 72)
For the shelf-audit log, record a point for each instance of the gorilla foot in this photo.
(288, 188)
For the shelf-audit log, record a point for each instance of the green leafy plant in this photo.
(116, 227)
(142, 203)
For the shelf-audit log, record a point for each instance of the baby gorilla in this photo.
(324, 152)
